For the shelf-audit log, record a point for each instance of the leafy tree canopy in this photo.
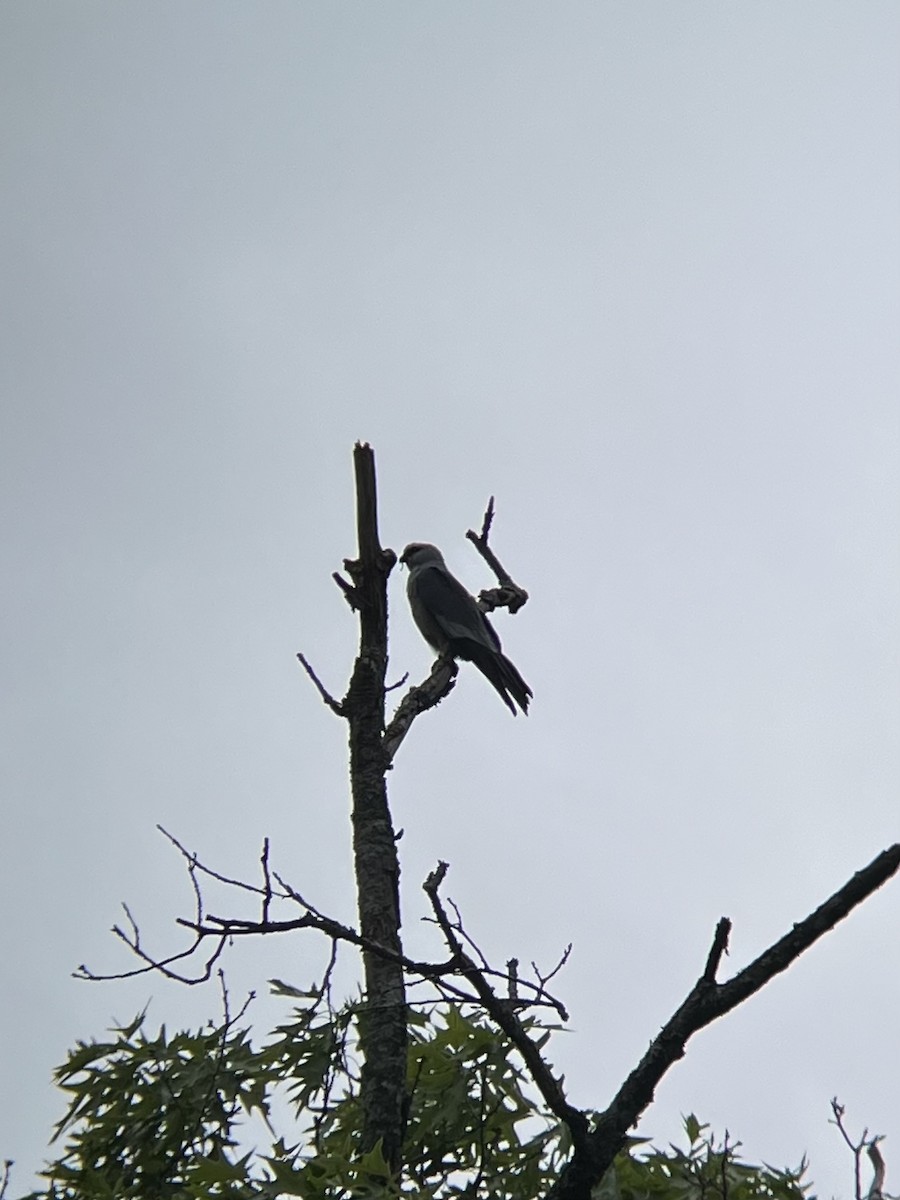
(161, 1115)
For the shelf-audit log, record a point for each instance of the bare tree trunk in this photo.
(383, 1034)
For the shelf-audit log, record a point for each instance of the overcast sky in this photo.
(633, 268)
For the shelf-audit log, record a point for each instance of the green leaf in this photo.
(280, 988)
(692, 1128)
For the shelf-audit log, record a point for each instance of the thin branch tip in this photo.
(718, 948)
(335, 705)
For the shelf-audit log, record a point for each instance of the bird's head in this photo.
(420, 554)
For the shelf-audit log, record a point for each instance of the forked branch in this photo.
(705, 1003)
(508, 595)
(503, 1013)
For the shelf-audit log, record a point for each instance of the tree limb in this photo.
(508, 595)
(502, 1012)
(705, 1003)
(417, 700)
(327, 698)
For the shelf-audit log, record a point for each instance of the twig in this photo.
(509, 595)
(351, 595)
(334, 705)
(718, 948)
(197, 865)
(501, 1012)
(208, 927)
(723, 1164)
(543, 980)
(870, 1145)
(163, 965)
(838, 1110)
(267, 892)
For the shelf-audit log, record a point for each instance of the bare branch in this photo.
(512, 973)
(838, 1110)
(503, 1014)
(870, 1145)
(220, 931)
(195, 864)
(324, 989)
(458, 928)
(705, 1003)
(718, 948)
(162, 965)
(267, 880)
(543, 980)
(509, 595)
(351, 595)
(334, 705)
(486, 524)
(418, 700)
(876, 1191)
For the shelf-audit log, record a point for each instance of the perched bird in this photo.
(453, 624)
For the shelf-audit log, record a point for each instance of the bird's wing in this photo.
(449, 610)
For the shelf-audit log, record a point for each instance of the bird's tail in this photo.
(501, 673)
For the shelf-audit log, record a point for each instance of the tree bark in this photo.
(382, 1026)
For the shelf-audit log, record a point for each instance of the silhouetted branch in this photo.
(718, 948)
(876, 1191)
(163, 965)
(351, 595)
(870, 1145)
(481, 539)
(705, 1003)
(195, 865)
(334, 705)
(503, 1014)
(267, 893)
(4, 1184)
(419, 699)
(509, 595)
(217, 931)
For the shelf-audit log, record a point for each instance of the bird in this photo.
(451, 622)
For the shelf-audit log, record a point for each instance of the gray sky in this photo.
(634, 269)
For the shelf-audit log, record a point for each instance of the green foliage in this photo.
(156, 1117)
(707, 1170)
(474, 1129)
